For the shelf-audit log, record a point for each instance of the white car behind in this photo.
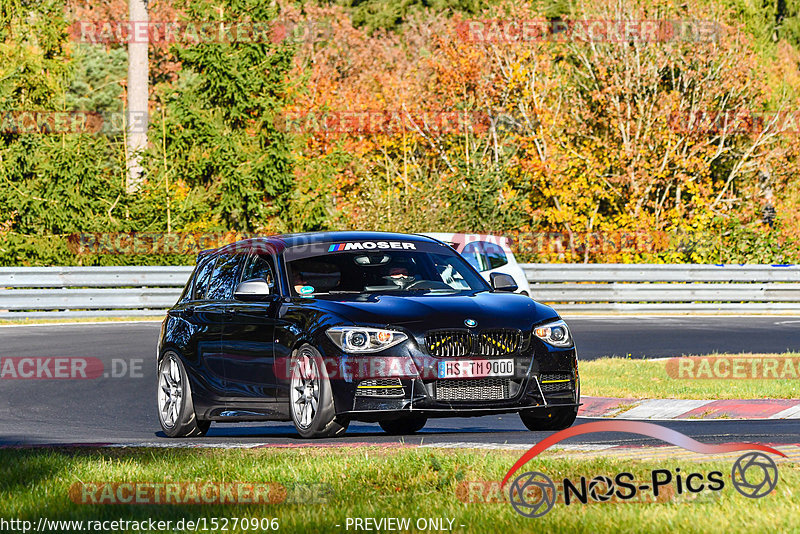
(488, 254)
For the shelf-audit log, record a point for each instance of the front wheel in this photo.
(175, 407)
(406, 425)
(549, 418)
(311, 397)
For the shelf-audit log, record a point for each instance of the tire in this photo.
(174, 400)
(549, 419)
(311, 397)
(406, 425)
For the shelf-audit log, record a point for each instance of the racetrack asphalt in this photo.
(121, 410)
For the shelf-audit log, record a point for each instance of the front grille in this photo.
(456, 343)
(380, 387)
(449, 344)
(481, 389)
(498, 342)
(555, 382)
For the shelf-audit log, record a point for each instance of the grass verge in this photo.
(379, 482)
(649, 379)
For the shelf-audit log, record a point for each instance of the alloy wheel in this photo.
(305, 389)
(170, 392)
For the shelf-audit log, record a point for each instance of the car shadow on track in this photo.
(358, 431)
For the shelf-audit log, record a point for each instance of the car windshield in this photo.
(379, 267)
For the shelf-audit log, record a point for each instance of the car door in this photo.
(248, 340)
(204, 318)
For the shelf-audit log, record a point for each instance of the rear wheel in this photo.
(549, 419)
(311, 397)
(175, 407)
(406, 425)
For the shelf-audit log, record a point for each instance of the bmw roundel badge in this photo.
(472, 323)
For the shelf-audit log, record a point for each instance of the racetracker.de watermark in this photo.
(737, 121)
(184, 243)
(734, 368)
(68, 368)
(16, 122)
(588, 31)
(198, 32)
(536, 243)
(384, 122)
(352, 368)
(207, 492)
(622, 488)
(635, 242)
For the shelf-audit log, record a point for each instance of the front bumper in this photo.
(543, 378)
(422, 402)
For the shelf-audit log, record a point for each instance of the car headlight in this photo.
(555, 333)
(361, 339)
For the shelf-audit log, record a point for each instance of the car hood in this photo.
(426, 312)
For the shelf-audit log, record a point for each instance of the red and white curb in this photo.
(584, 447)
(621, 452)
(669, 409)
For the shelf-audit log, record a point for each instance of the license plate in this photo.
(475, 368)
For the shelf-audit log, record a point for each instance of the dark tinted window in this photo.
(187, 289)
(495, 255)
(203, 277)
(224, 277)
(259, 266)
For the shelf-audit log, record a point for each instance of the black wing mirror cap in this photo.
(503, 282)
(253, 290)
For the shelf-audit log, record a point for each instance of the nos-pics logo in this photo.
(533, 494)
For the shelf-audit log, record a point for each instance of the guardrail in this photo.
(31, 292)
(666, 288)
(36, 292)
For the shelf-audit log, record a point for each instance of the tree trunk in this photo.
(138, 73)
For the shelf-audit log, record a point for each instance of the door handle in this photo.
(229, 312)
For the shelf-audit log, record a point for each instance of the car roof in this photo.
(280, 242)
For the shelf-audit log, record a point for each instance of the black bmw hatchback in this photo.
(325, 328)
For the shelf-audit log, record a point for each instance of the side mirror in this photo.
(252, 290)
(503, 282)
